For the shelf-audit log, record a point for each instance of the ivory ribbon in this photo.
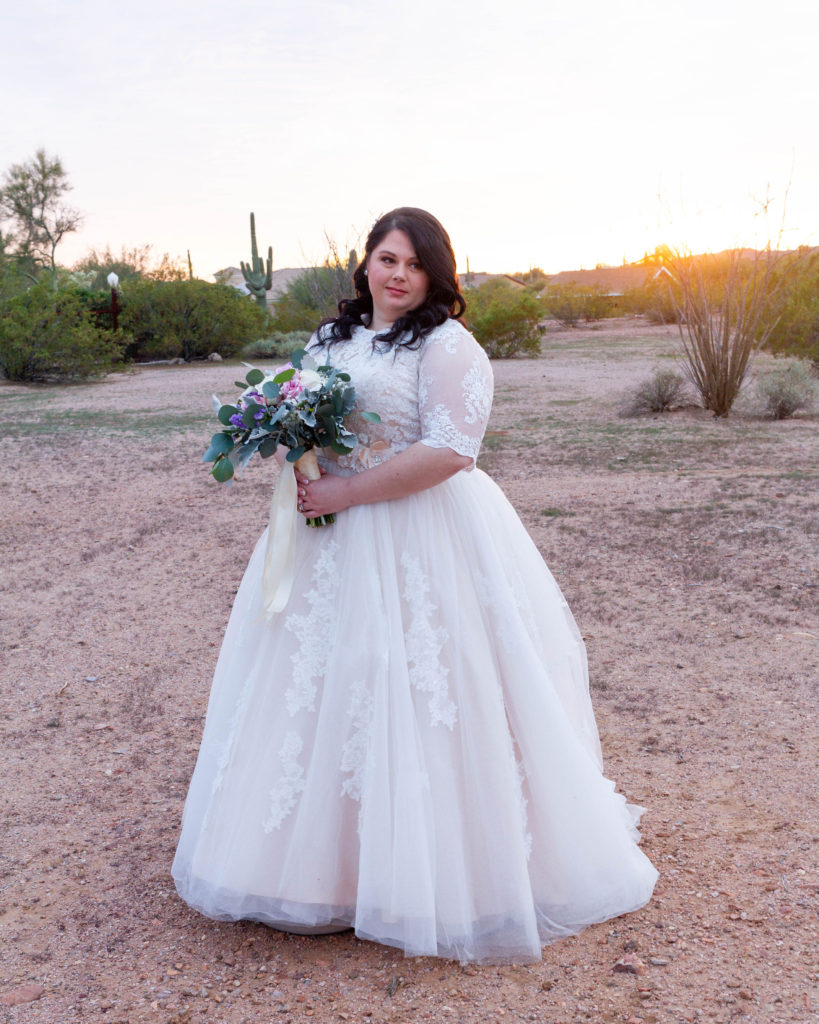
(280, 556)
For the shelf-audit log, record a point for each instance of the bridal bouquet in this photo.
(301, 405)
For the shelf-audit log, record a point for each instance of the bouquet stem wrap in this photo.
(280, 555)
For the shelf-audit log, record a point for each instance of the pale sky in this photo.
(540, 134)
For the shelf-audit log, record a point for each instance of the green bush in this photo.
(655, 300)
(664, 390)
(796, 311)
(187, 320)
(51, 336)
(504, 319)
(787, 389)
(571, 303)
(315, 294)
(276, 346)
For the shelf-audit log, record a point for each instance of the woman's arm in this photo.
(414, 469)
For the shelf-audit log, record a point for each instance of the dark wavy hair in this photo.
(444, 300)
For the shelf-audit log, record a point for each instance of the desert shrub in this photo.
(187, 319)
(796, 312)
(787, 389)
(727, 303)
(504, 319)
(571, 303)
(664, 390)
(50, 336)
(276, 346)
(655, 300)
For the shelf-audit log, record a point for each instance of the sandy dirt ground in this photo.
(687, 548)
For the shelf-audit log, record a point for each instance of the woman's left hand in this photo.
(323, 497)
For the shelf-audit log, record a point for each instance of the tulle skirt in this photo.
(409, 748)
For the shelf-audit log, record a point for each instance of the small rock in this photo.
(629, 964)
(740, 634)
(657, 961)
(21, 994)
(214, 357)
(744, 994)
(630, 946)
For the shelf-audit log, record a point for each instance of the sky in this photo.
(540, 134)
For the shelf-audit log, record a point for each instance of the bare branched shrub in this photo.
(726, 307)
(787, 390)
(664, 390)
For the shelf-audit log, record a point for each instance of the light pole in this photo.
(113, 281)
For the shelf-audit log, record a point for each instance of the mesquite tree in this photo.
(31, 202)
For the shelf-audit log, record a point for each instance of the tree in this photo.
(31, 200)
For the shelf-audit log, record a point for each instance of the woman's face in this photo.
(398, 282)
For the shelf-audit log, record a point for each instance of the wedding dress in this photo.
(409, 748)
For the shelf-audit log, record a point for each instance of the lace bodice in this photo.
(439, 394)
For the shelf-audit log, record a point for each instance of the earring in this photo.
(365, 272)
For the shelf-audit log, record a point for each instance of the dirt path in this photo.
(687, 549)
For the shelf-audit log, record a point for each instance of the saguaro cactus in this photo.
(259, 280)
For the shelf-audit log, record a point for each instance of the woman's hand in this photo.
(322, 497)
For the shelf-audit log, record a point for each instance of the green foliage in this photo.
(505, 319)
(571, 303)
(187, 319)
(276, 346)
(51, 336)
(662, 391)
(787, 389)
(137, 262)
(31, 202)
(796, 331)
(656, 300)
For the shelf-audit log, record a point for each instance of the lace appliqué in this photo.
(227, 749)
(310, 659)
(524, 818)
(477, 392)
(355, 752)
(424, 643)
(442, 433)
(284, 793)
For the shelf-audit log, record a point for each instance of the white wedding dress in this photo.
(409, 748)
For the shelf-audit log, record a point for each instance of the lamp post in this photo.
(113, 281)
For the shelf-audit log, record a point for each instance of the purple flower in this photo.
(258, 415)
(237, 421)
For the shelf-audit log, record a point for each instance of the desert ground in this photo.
(687, 548)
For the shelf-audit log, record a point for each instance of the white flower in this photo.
(310, 380)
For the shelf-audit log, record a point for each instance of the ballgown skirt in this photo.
(409, 748)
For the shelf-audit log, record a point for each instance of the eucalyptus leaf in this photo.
(222, 470)
(224, 414)
(220, 444)
(284, 376)
(296, 453)
(340, 448)
(296, 357)
(254, 377)
(248, 416)
(270, 389)
(268, 447)
(373, 417)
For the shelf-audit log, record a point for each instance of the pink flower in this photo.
(291, 388)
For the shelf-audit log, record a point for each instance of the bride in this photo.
(408, 748)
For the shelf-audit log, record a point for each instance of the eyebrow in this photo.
(389, 252)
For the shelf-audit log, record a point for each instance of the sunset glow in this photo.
(554, 137)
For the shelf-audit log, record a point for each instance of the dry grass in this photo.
(687, 549)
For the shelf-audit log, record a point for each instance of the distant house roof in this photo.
(474, 280)
(281, 279)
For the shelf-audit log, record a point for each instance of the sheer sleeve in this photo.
(454, 390)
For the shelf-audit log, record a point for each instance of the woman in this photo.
(409, 748)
